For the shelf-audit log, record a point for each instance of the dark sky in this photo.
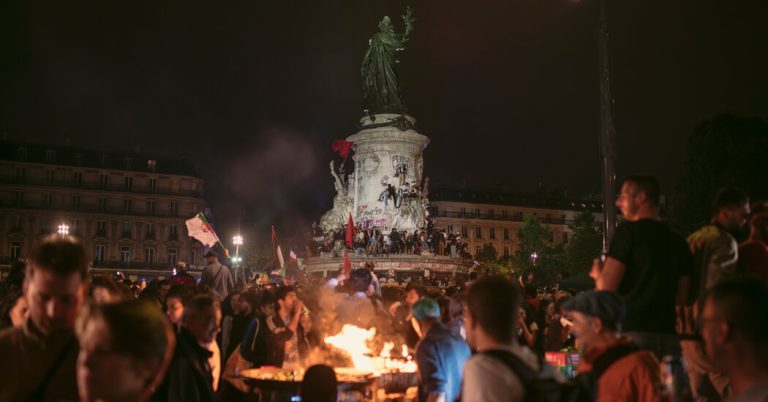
(255, 91)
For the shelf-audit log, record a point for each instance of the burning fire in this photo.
(355, 340)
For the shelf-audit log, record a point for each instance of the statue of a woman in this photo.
(381, 90)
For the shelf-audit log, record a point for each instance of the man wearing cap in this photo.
(614, 367)
(440, 355)
(216, 276)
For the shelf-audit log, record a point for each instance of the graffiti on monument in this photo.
(403, 168)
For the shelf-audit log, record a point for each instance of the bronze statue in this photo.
(381, 89)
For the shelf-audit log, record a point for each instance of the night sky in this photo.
(254, 92)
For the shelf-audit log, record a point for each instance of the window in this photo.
(150, 229)
(47, 199)
(126, 229)
(101, 228)
(491, 213)
(99, 252)
(75, 225)
(78, 158)
(153, 185)
(506, 234)
(103, 159)
(477, 251)
(478, 232)
(128, 183)
(492, 233)
(152, 165)
(193, 257)
(19, 198)
(17, 221)
(77, 179)
(102, 204)
(449, 228)
(565, 237)
(173, 232)
(149, 255)
(50, 156)
(463, 212)
(127, 205)
(21, 153)
(477, 212)
(151, 207)
(464, 231)
(506, 252)
(125, 255)
(15, 250)
(20, 174)
(49, 176)
(127, 162)
(75, 201)
(172, 256)
(562, 218)
(104, 180)
(504, 214)
(174, 208)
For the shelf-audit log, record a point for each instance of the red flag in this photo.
(350, 233)
(347, 267)
(342, 147)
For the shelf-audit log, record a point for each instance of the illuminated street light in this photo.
(63, 229)
(237, 240)
(534, 257)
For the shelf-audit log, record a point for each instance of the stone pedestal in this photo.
(387, 180)
(394, 265)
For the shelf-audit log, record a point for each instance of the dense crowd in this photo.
(383, 242)
(669, 319)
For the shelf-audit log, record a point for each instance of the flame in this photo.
(355, 340)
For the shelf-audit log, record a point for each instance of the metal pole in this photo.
(607, 132)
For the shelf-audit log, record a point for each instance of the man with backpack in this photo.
(612, 367)
(502, 370)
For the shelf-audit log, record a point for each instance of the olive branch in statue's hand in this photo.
(408, 20)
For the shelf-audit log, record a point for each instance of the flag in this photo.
(278, 252)
(199, 228)
(347, 267)
(342, 147)
(350, 233)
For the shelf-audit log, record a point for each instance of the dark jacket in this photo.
(26, 356)
(189, 376)
(264, 341)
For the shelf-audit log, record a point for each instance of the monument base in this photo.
(393, 267)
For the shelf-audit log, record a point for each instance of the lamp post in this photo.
(63, 229)
(237, 240)
(607, 132)
(534, 257)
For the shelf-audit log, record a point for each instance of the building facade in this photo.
(483, 217)
(128, 209)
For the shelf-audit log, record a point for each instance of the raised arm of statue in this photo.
(337, 183)
(408, 20)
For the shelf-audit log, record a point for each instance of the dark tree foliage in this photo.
(585, 244)
(724, 151)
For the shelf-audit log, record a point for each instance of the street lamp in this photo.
(63, 229)
(237, 240)
(534, 257)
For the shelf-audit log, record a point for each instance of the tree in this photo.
(585, 243)
(487, 254)
(723, 151)
(532, 238)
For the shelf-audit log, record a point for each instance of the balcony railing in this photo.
(499, 217)
(117, 187)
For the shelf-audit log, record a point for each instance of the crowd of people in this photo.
(383, 242)
(669, 319)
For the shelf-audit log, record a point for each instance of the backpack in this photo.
(547, 389)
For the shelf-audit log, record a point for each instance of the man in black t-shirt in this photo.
(649, 266)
